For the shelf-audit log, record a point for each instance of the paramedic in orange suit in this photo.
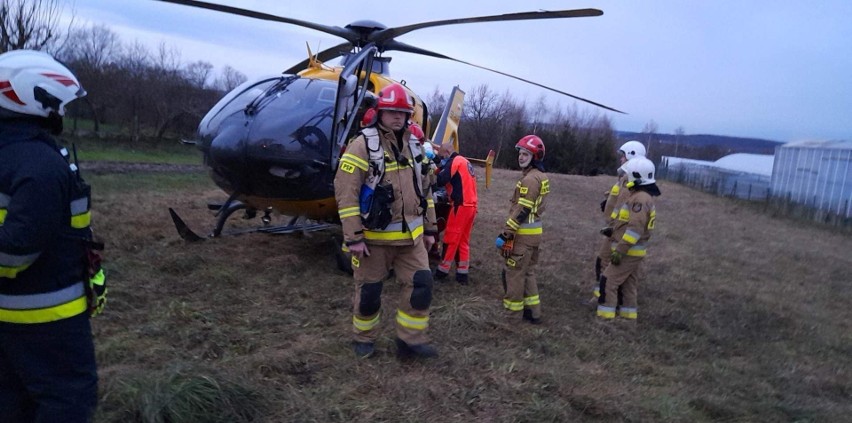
(460, 180)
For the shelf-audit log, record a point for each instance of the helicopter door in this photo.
(351, 89)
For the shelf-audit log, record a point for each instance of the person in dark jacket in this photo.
(47, 359)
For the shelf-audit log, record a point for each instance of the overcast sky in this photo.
(773, 69)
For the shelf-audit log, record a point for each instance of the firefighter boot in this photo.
(440, 275)
(404, 350)
(363, 349)
(528, 316)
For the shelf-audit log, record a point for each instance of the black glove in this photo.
(607, 231)
(603, 205)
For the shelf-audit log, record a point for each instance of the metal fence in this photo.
(757, 188)
(722, 182)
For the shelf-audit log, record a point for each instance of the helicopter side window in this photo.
(327, 95)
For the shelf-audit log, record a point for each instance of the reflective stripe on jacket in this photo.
(528, 203)
(635, 220)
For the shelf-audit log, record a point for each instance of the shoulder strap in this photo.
(376, 156)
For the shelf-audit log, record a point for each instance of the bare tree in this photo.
(30, 24)
(197, 73)
(679, 132)
(650, 129)
(92, 47)
(436, 101)
(229, 79)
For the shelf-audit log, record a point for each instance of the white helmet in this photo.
(640, 171)
(632, 149)
(34, 83)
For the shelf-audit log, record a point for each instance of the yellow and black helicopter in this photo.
(273, 144)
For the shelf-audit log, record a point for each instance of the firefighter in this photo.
(615, 195)
(47, 358)
(636, 218)
(385, 206)
(519, 242)
(458, 177)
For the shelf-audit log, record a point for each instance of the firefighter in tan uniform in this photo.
(387, 215)
(521, 237)
(616, 195)
(636, 219)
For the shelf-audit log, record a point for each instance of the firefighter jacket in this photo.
(635, 220)
(44, 227)
(615, 195)
(413, 208)
(528, 203)
(460, 179)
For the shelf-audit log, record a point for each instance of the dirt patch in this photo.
(105, 167)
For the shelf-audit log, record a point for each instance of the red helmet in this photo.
(394, 97)
(533, 144)
(369, 118)
(417, 132)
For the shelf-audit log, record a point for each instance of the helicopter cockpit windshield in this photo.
(283, 118)
(292, 120)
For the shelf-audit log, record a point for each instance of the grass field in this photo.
(742, 318)
(89, 150)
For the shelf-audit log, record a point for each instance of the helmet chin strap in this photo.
(53, 123)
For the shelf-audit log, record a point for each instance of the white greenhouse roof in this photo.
(678, 161)
(836, 144)
(759, 164)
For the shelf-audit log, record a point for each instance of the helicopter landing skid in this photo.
(188, 235)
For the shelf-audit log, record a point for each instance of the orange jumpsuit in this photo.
(459, 178)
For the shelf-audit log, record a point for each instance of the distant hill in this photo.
(723, 144)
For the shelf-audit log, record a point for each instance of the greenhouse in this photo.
(739, 175)
(815, 174)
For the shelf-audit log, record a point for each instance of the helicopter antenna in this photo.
(312, 61)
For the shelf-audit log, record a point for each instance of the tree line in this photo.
(142, 94)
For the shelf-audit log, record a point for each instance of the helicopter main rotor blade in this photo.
(323, 56)
(387, 34)
(333, 30)
(396, 45)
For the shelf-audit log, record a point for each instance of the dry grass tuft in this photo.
(181, 394)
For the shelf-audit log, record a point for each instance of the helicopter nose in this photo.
(226, 149)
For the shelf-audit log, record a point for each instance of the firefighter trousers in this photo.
(619, 289)
(520, 287)
(602, 260)
(410, 265)
(457, 241)
(48, 371)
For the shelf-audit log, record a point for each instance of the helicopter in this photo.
(273, 144)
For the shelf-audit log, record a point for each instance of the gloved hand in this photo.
(615, 258)
(97, 293)
(606, 231)
(506, 244)
(603, 205)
